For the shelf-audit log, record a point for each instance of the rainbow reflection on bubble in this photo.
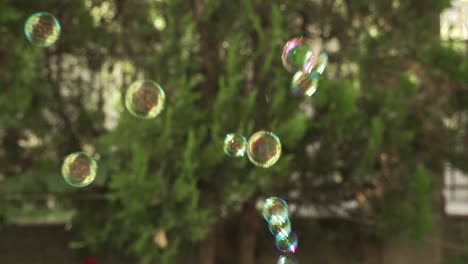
(287, 244)
(298, 55)
(79, 170)
(287, 259)
(275, 209)
(235, 145)
(280, 226)
(264, 149)
(145, 99)
(42, 29)
(304, 84)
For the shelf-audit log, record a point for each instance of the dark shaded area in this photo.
(48, 244)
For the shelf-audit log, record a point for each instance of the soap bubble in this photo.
(322, 62)
(287, 244)
(298, 55)
(304, 83)
(145, 99)
(264, 149)
(42, 29)
(275, 209)
(287, 259)
(235, 145)
(280, 226)
(78, 169)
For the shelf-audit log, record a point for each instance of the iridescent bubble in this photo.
(304, 84)
(322, 62)
(235, 145)
(275, 209)
(280, 226)
(145, 99)
(78, 169)
(287, 259)
(264, 149)
(42, 29)
(287, 244)
(298, 55)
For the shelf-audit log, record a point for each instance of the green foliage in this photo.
(415, 213)
(456, 260)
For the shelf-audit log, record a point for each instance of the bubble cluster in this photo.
(287, 244)
(264, 149)
(275, 212)
(235, 145)
(145, 99)
(79, 170)
(307, 62)
(42, 29)
(304, 84)
(287, 259)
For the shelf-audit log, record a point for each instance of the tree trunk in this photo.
(250, 222)
(208, 247)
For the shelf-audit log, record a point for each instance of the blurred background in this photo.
(373, 164)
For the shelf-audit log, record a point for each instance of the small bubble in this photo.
(42, 29)
(322, 62)
(287, 259)
(280, 226)
(304, 84)
(287, 244)
(235, 145)
(79, 170)
(274, 208)
(145, 99)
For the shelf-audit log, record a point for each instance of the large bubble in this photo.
(304, 84)
(145, 99)
(235, 145)
(298, 55)
(42, 29)
(78, 169)
(264, 149)
(287, 244)
(275, 209)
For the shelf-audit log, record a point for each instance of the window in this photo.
(456, 192)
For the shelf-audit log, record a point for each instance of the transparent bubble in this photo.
(145, 99)
(304, 84)
(78, 169)
(322, 61)
(264, 149)
(275, 209)
(42, 29)
(287, 259)
(287, 244)
(298, 55)
(280, 226)
(235, 145)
